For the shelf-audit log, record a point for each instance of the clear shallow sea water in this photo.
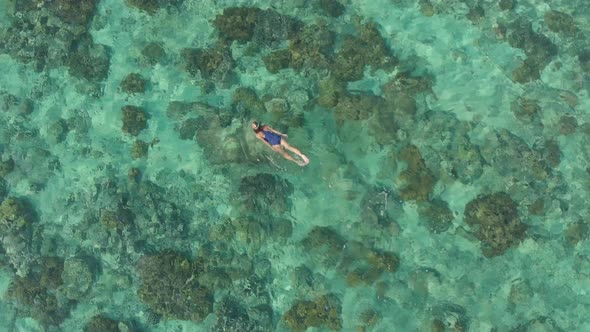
(446, 192)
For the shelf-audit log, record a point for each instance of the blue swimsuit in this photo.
(272, 138)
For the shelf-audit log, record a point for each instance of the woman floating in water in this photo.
(276, 141)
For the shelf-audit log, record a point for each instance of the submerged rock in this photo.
(324, 311)
(561, 22)
(494, 220)
(134, 119)
(417, 181)
(133, 83)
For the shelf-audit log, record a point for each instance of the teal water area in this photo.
(447, 189)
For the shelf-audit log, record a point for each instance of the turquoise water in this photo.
(447, 188)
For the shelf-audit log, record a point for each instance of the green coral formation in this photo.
(6, 166)
(100, 323)
(151, 7)
(237, 23)
(16, 215)
(153, 53)
(245, 103)
(576, 232)
(312, 48)
(78, 12)
(525, 109)
(495, 222)
(214, 63)
(437, 215)
(148, 6)
(567, 124)
(332, 8)
(538, 48)
(3, 189)
(417, 181)
(139, 149)
(117, 220)
(90, 62)
(358, 106)
(133, 83)
(78, 275)
(134, 119)
(368, 49)
(50, 274)
(265, 194)
(277, 60)
(37, 293)
(561, 22)
(170, 286)
(507, 4)
(540, 323)
(331, 91)
(584, 59)
(324, 311)
(251, 233)
(264, 27)
(57, 131)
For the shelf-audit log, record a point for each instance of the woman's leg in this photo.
(279, 149)
(295, 150)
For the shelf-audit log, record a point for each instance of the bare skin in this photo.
(283, 146)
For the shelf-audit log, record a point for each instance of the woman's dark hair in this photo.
(258, 126)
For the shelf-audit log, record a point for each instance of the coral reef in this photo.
(495, 222)
(46, 36)
(437, 215)
(332, 7)
(169, 285)
(538, 48)
(214, 63)
(312, 48)
(358, 106)
(6, 166)
(246, 104)
(16, 215)
(576, 232)
(91, 63)
(515, 158)
(272, 28)
(237, 23)
(560, 22)
(541, 323)
(134, 119)
(57, 131)
(148, 6)
(151, 7)
(368, 49)
(525, 109)
(325, 241)
(277, 60)
(100, 323)
(139, 149)
(416, 180)
(584, 59)
(265, 194)
(78, 276)
(264, 27)
(153, 53)
(38, 293)
(133, 83)
(507, 4)
(567, 124)
(452, 316)
(324, 311)
(3, 189)
(232, 316)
